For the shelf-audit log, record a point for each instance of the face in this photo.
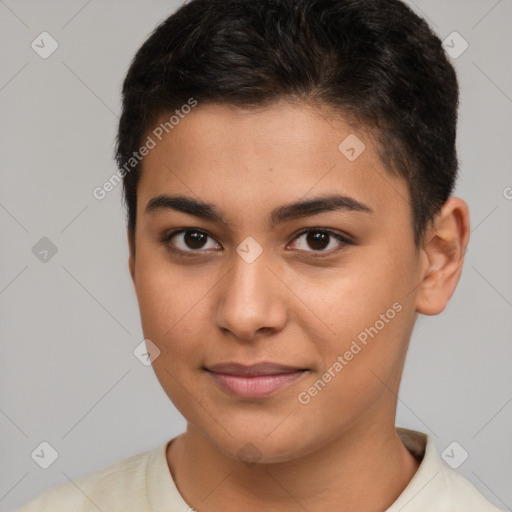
(320, 294)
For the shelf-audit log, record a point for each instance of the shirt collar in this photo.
(430, 469)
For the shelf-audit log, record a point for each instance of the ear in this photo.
(443, 256)
(131, 258)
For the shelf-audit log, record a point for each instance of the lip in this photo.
(254, 381)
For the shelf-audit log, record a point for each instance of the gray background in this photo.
(69, 325)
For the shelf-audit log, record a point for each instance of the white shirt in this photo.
(143, 483)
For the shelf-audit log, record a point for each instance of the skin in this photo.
(341, 450)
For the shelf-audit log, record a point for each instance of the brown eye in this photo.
(194, 239)
(188, 240)
(318, 240)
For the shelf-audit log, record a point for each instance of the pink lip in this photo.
(256, 380)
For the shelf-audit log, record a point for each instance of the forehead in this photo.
(263, 157)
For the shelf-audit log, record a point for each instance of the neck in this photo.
(364, 469)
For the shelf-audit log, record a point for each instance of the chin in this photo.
(267, 446)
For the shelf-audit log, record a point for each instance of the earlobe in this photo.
(444, 251)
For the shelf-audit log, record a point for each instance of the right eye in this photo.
(187, 241)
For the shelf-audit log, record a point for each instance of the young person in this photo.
(288, 168)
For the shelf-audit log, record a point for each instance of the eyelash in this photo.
(315, 254)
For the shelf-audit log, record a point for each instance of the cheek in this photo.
(370, 315)
(170, 307)
(358, 371)
(173, 305)
(345, 301)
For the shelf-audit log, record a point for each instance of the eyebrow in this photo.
(279, 215)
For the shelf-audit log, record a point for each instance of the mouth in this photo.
(254, 381)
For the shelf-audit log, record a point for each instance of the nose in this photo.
(251, 300)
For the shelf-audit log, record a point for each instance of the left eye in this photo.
(194, 240)
(319, 239)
